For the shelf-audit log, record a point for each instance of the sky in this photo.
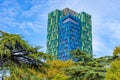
(28, 18)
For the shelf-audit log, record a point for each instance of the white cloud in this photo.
(114, 30)
(36, 27)
(105, 19)
(33, 11)
(101, 49)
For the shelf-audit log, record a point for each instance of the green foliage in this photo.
(11, 41)
(60, 77)
(86, 68)
(79, 55)
(113, 72)
(13, 48)
(30, 67)
(86, 73)
(20, 58)
(23, 73)
(116, 51)
(56, 69)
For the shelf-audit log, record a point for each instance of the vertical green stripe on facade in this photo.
(53, 30)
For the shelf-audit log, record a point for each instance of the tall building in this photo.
(68, 30)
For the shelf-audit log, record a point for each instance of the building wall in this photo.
(64, 35)
(52, 32)
(86, 32)
(69, 36)
(68, 11)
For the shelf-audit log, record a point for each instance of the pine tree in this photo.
(17, 53)
(86, 68)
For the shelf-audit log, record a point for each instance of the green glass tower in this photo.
(86, 32)
(59, 34)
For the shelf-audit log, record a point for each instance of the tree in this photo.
(60, 77)
(79, 55)
(56, 69)
(113, 73)
(14, 51)
(86, 68)
(116, 51)
(114, 70)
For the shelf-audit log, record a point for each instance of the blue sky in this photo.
(29, 19)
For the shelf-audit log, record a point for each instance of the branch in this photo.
(2, 61)
(28, 60)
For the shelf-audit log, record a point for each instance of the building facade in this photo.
(67, 30)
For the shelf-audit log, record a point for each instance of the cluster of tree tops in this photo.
(25, 62)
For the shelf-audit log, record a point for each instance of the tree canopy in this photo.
(26, 62)
(16, 52)
(86, 68)
(113, 72)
